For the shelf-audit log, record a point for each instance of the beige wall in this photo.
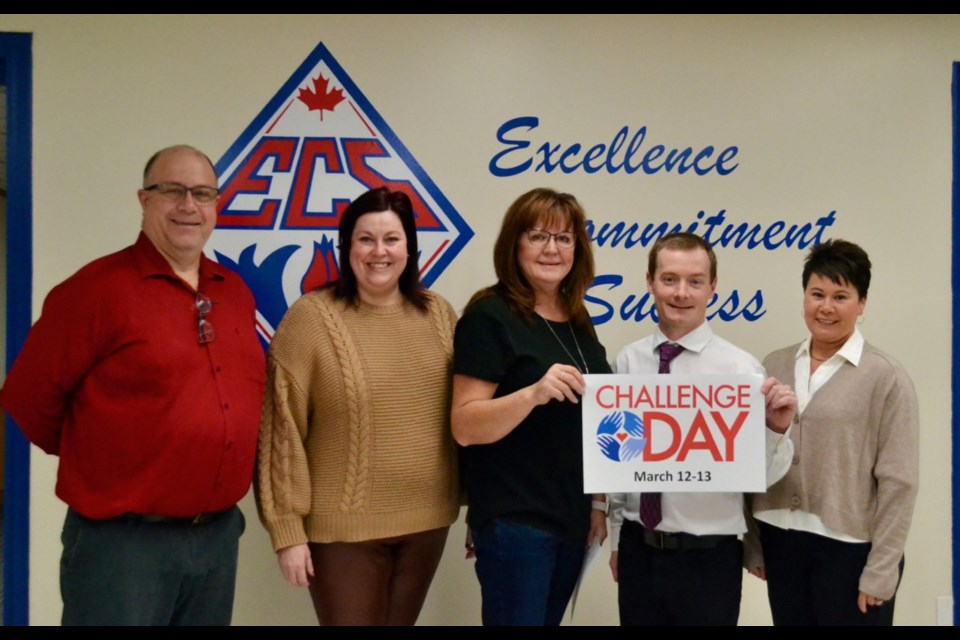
(849, 114)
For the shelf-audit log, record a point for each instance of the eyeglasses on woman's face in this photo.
(539, 238)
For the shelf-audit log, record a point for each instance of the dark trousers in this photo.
(678, 587)
(126, 571)
(526, 574)
(814, 580)
(375, 582)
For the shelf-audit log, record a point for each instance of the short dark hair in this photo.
(376, 201)
(842, 262)
(681, 241)
(176, 147)
(547, 208)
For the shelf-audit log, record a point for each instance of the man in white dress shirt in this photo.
(681, 562)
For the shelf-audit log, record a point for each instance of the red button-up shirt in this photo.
(113, 379)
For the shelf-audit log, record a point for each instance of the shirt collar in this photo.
(150, 262)
(851, 350)
(694, 341)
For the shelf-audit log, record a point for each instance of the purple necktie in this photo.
(651, 511)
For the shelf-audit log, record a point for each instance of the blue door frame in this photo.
(955, 275)
(17, 73)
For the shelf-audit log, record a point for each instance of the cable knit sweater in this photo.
(355, 441)
(856, 461)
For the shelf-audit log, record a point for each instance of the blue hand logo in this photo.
(620, 436)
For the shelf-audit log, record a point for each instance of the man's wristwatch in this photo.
(601, 505)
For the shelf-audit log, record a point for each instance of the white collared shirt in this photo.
(696, 513)
(807, 385)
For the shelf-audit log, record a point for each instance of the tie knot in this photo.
(668, 351)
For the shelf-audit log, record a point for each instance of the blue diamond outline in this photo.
(463, 231)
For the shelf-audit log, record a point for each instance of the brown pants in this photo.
(376, 582)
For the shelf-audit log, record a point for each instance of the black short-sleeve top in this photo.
(534, 475)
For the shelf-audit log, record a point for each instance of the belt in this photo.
(193, 521)
(675, 541)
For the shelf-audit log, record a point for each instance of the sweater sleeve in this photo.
(897, 476)
(445, 319)
(283, 475)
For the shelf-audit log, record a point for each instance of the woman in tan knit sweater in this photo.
(833, 529)
(357, 474)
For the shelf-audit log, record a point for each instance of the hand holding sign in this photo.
(560, 382)
(477, 417)
(781, 404)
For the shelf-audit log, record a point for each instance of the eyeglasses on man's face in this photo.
(539, 238)
(176, 192)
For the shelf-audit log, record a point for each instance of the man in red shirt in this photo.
(145, 375)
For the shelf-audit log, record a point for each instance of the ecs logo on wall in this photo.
(285, 182)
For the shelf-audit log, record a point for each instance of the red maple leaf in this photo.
(320, 99)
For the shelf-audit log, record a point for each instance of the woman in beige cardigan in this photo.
(834, 528)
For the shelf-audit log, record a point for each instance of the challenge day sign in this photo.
(673, 433)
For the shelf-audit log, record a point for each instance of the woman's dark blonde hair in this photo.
(541, 209)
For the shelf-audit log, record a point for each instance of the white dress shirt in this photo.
(806, 386)
(696, 513)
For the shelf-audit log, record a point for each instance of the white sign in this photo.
(673, 433)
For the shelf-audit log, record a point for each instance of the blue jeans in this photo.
(526, 575)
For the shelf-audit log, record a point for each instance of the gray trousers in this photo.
(128, 571)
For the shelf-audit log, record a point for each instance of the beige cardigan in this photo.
(355, 441)
(855, 461)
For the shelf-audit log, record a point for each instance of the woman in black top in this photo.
(520, 353)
